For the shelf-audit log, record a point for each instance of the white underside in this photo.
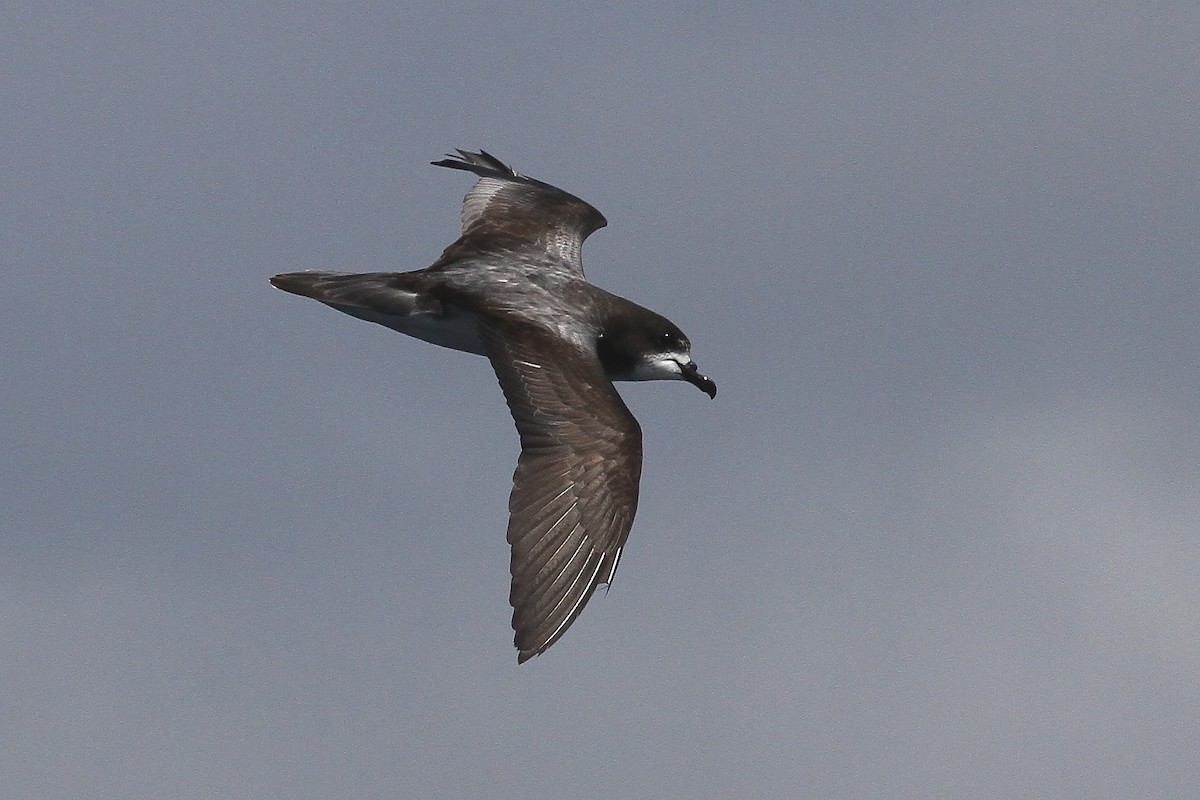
(454, 329)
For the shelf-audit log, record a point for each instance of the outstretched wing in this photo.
(575, 489)
(509, 212)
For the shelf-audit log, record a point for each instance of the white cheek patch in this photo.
(659, 367)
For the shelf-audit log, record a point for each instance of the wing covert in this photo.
(506, 210)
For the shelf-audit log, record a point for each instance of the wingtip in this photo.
(459, 159)
(480, 162)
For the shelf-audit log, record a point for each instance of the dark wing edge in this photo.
(483, 164)
(575, 489)
(508, 210)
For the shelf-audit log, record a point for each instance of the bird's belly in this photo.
(453, 328)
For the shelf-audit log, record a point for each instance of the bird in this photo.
(512, 288)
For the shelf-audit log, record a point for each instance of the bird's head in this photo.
(649, 347)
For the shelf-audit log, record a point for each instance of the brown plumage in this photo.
(512, 288)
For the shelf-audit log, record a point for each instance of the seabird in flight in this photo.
(512, 288)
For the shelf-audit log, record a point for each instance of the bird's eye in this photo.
(667, 338)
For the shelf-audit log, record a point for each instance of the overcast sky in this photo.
(938, 536)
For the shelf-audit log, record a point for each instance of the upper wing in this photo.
(507, 211)
(575, 488)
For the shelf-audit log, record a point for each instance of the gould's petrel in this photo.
(512, 288)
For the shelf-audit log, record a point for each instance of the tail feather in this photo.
(385, 292)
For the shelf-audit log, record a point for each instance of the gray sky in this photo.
(935, 538)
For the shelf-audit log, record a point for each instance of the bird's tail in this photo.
(393, 293)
